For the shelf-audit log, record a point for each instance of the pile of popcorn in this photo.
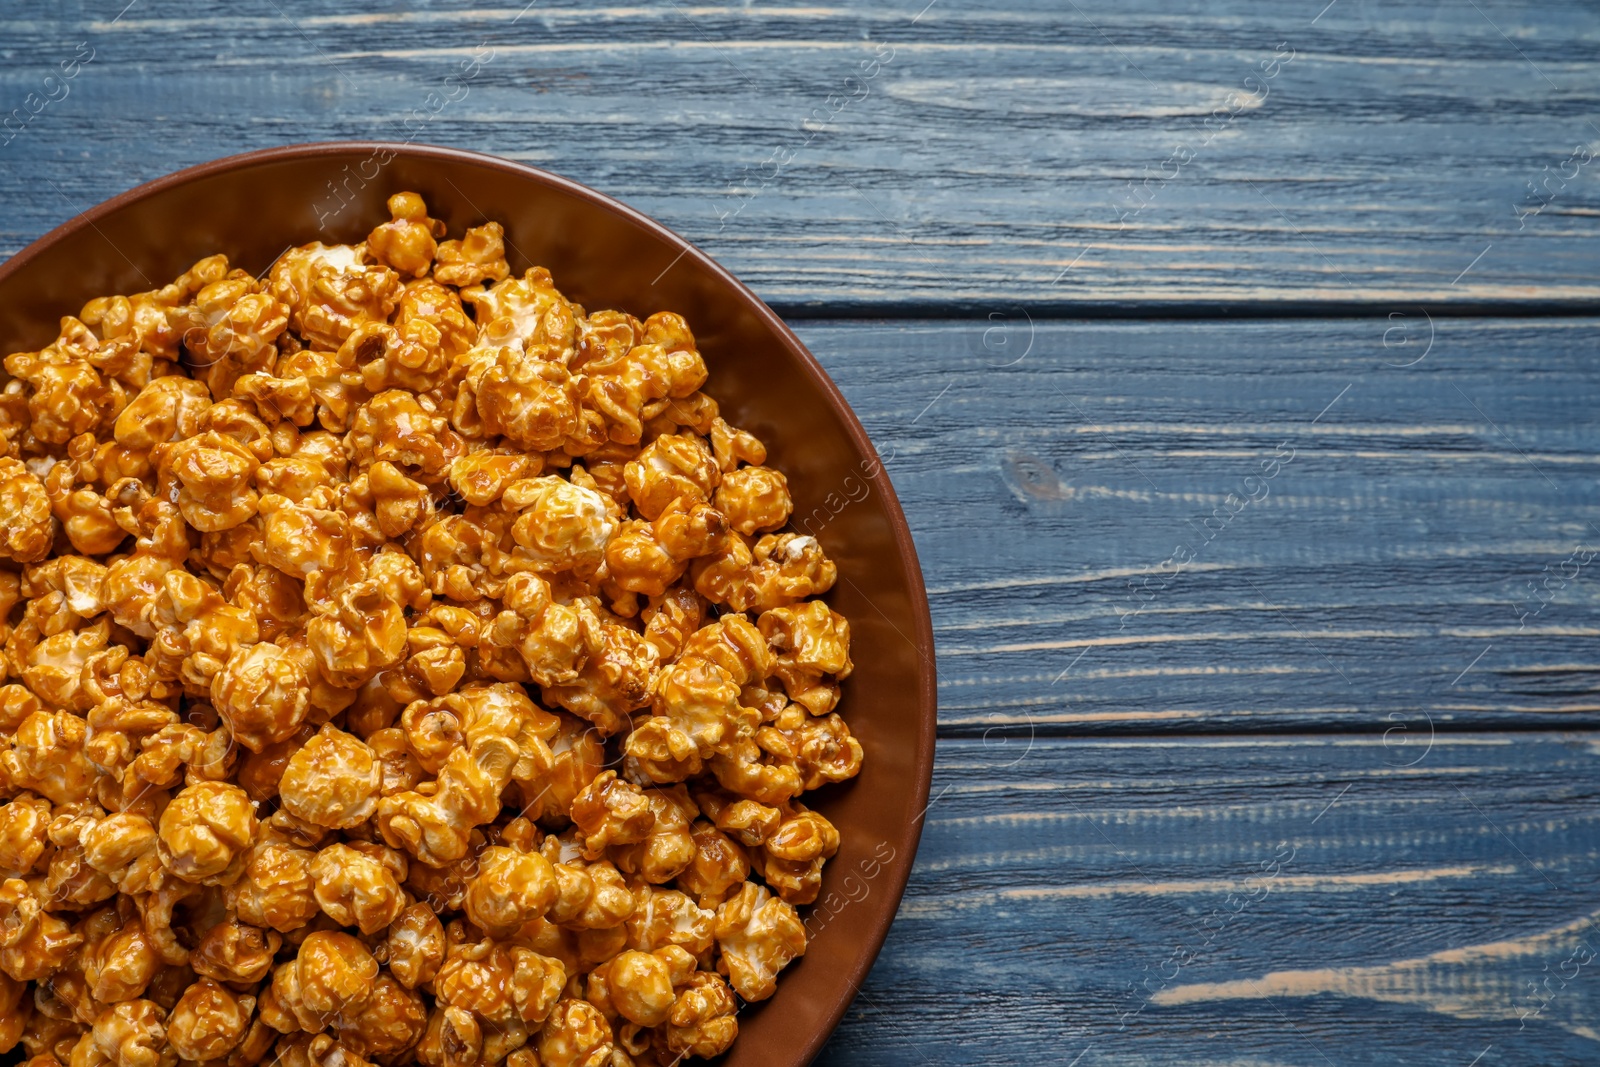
(400, 664)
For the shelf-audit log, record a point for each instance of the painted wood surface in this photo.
(1317, 902)
(1365, 504)
(1092, 153)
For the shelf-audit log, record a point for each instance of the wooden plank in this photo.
(1373, 565)
(1416, 152)
(1289, 901)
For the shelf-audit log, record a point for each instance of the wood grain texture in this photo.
(1315, 902)
(1059, 154)
(1372, 568)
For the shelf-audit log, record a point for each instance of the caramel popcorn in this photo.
(414, 949)
(118, 960)
(702, 1020)
(134, 1034)
(206, 831)
(759, 935)
(480, 256)
(332, 781)
(261, 694)
(26, 526)
(511, 890)
(402, 664)
(812, 646)
(356, 890)
(392, 1020)
(331, 976)
(639, 985)
(278, 889)
(208, 1021)
(235, 952)
(576, 1035)
(24, 826)
(408, 241)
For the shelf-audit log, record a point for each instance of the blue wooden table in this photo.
(1237, 366)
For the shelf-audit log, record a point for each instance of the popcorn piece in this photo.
(208, 1022)
(526, 314)
(460, 559)
(536, 986)
(333, 781)
(230, 330)
(414, 949)
(667, 847)
(812, 653)
(33, 943)
(525, 397)
(356, 890)
(211, 477)
(576, 1035)
(755, 499)
(70, 883)
(435, 827)
(578, 755)
(702, 1021)
(481, 477)
(331, 976)
(649, 557)
(26, 526)
(665, 917)
(822, 749)
(393, 427)
(206, 831)
(672, 467)
(118, 959)
(24, 822)
(746, 771)
(453, 1039)
(759, 935)
(697, 701)
(399, 502)
(235, 952)
(68, 394)
(300, 540)
(780, 570)
(611, 811)
(330, 291)
(85, 515)
(791, 859)
(617, 673)
(635, 369)
(408, 241)
(392, 1020)
(134, 1034)
(561, 526)
(639, 985)
(168, 409)
(124, 846)
(398, 769)
(511, 890)
(720, 864)
(261, 695)
(589, 896)
(432, 314)
(480, 256)
(278, 889)
(47, 751)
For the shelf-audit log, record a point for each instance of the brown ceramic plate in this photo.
(602, 254)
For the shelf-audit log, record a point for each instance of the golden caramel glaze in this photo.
(398, 663)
